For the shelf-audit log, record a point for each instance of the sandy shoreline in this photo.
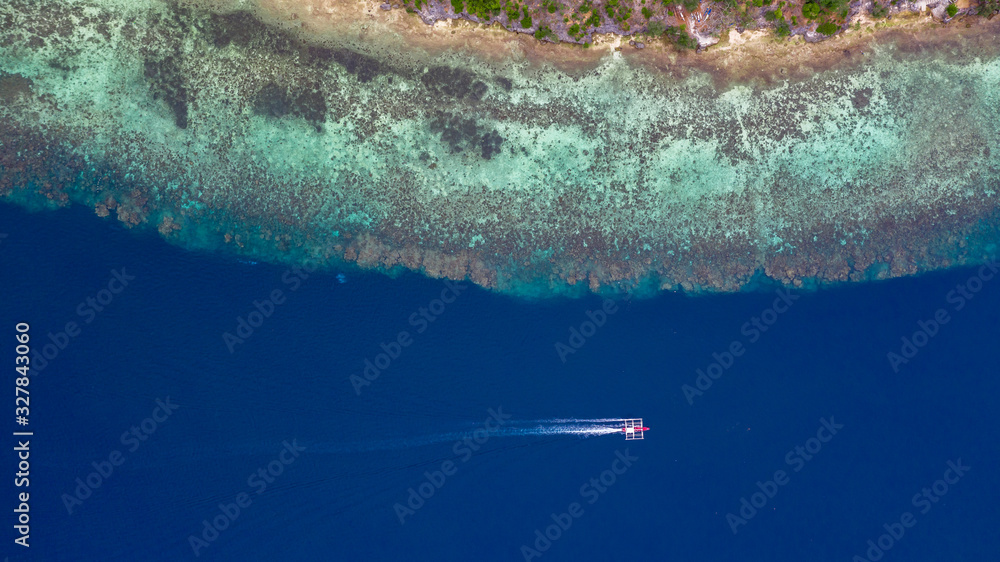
(751, 56)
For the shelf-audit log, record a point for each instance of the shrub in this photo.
(951, 10)
(833, 5)
(782, 30)
(879, 10)
(526, 20)
(690, 5)
(574, 29)
(810, 10)
(772, 15)
(680, 36)
(988, 7)
(647, 13)
(543, 32)
(828, 28)
(458, 6)
(483, 9)
(656, 28)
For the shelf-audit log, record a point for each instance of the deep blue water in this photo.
(161, 337)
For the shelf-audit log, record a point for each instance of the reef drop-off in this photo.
(222, 131)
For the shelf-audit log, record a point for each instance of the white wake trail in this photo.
(582, 420)
(510, 429)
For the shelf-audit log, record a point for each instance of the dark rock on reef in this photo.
(861, 98)
(363, 67)
(454, 83)
(306, 102)
(13, 85)
(167, 83)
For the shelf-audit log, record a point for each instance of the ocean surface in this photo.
(341, 459)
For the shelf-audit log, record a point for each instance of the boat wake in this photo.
(511, 428)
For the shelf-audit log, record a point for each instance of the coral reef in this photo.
(222, 131)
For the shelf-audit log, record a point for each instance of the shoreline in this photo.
(750, 56)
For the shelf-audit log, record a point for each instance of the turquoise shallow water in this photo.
(220, 131)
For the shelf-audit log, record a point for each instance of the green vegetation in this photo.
(879, 10)
(828, 28)
(483, 9)
(951, 10)
(544, 32)
(782, 29)
(679, 35)
(656, 28)
(581, 16)
(988, 7)
(816, 8)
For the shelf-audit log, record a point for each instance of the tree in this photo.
(828, 28)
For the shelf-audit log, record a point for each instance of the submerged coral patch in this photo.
(167, 83)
